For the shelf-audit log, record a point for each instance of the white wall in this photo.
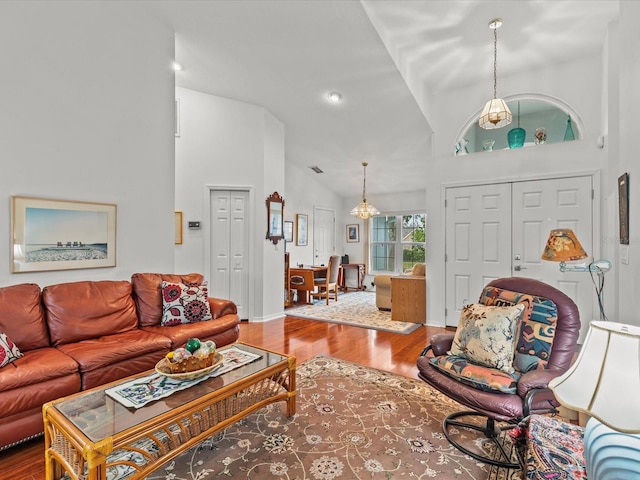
(303, 193)
(87, 115)
(565, 82)
(628, 136)
(229, 144)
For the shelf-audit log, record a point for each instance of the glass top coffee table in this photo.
(90, 432)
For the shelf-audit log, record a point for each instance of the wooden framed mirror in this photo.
(275, 217)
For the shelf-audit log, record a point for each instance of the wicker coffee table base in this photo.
(164, 437)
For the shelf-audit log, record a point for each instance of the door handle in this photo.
(517, 268)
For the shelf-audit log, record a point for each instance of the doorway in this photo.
(324, 235)
(499, 230)
(229, 221)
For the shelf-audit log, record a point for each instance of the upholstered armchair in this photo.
(383, 285)
(506, 349)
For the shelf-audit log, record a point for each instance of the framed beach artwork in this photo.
(51, 234)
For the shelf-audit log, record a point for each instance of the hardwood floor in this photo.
(295, 336)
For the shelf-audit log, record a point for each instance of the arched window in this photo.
(544, 119)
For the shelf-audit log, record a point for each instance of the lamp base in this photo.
(609, 454)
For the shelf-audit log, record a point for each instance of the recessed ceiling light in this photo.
(178, 67)
(334, 97)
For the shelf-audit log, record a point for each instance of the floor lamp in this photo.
(563, 246)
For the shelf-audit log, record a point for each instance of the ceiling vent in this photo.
(316, 169)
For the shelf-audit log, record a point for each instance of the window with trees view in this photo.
(397, 242)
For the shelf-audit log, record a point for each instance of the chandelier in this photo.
(495, 113)
(364, 210)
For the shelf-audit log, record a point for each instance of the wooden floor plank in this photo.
(294, 336)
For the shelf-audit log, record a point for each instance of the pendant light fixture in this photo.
(516, 136)
(365, 210)
(495, 113)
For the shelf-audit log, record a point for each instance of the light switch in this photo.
(624, 254)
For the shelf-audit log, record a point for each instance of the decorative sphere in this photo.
(211, 345)
(180, 354)
(192, 345)
(202, 352)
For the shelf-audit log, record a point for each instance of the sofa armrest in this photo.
(382, 281)
(221, 307)
(440, 343)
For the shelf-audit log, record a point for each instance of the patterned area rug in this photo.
(353, 308)
(352, 422)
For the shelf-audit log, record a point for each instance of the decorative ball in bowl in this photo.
(195, 357)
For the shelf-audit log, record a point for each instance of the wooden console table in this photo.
(409, 298)
(360, 272)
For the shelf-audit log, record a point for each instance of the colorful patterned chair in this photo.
(539, 328)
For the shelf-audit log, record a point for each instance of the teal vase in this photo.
(515, 137)
(568, 133)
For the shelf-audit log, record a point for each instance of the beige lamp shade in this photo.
(563, 246)
(605, 380)
(495, 114)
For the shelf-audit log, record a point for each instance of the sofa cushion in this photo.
(223, 330)
(84, 310)
(536, 330)
(37, 366)
(419, 270)
(486, 335)
(147, 295)
(8, 350)
(22, 316)
(484, 378)
(97, 353)
(184, 303)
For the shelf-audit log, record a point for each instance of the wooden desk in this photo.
(360, 272)
(409, 299)
(302, 280)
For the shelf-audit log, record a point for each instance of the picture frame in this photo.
(353, 233)
(178, 227)
(623, 207)
(302, 230)
(48, 234)
(288, 231)
(275, 218)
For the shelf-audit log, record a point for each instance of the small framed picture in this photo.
(288, 231)
(301, 232)
(178, 228)
(623, 207)
(353, 233)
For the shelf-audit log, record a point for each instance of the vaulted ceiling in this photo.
(384, 56)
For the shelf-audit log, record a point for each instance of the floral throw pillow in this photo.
(486, 335)
(184, 303)
(8, 350)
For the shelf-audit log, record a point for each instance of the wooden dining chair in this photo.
(327, 286)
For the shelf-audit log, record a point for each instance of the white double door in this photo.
(229, 247)
(500, 230)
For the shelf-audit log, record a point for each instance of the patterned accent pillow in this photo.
(536, 330)
(184, 303)
(8, 350)
(483, 378)
(486, 335)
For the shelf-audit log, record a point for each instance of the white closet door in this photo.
(230, 247)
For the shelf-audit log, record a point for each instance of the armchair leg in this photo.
(489, 430)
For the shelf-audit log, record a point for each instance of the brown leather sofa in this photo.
(75, 336)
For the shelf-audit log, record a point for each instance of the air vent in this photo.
(316, 169)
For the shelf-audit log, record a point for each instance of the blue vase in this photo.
(515, 137)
